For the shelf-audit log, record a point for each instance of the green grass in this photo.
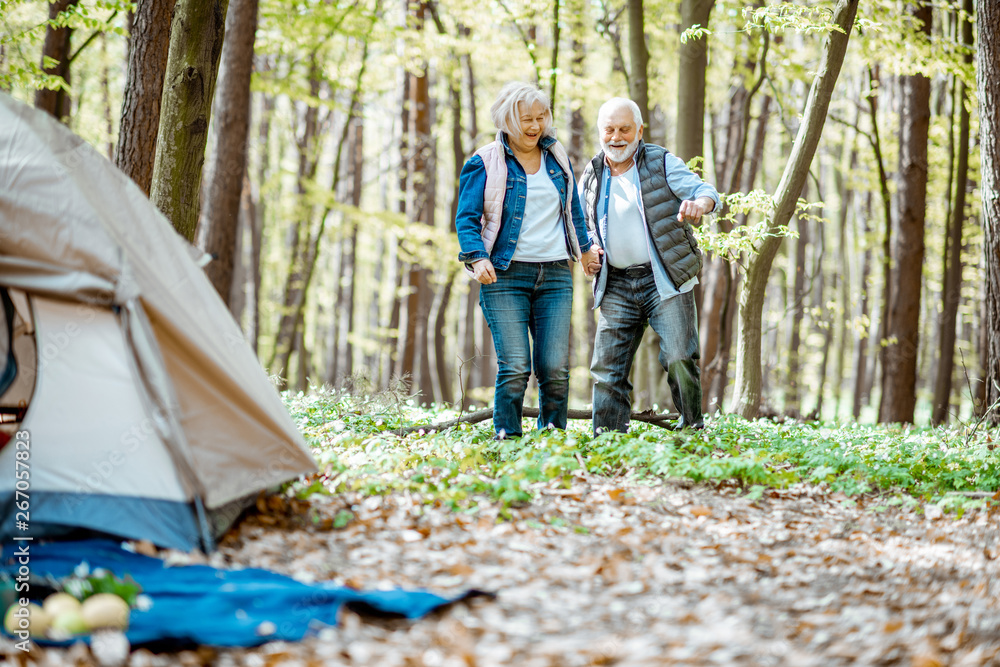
(353, 440)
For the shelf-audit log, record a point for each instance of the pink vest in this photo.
(494, 159)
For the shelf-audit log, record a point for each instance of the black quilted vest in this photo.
(674, 241)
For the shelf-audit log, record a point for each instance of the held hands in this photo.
(691, 210)
(591, 260)
(484, 272)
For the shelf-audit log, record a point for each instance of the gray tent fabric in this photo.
(74, 228)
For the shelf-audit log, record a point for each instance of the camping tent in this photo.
(142, 411)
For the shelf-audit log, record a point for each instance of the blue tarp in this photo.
(197, 604)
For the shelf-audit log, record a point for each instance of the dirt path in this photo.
(603, 574)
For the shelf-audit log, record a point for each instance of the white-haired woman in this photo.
(519, 224)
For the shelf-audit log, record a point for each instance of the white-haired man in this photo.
(639, 202)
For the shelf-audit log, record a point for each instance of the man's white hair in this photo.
(613, 105)
(504, 110)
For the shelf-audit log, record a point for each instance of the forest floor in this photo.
(607, 571)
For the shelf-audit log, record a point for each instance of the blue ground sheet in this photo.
(197, 604)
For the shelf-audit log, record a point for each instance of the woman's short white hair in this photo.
(613, 105)
(504, 110)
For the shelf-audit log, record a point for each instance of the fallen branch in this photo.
(648, 416)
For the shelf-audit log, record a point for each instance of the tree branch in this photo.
(657, 419)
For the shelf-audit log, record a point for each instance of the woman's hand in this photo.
(591, 260)
(483, 272)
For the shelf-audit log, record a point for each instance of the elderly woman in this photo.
(519, 224)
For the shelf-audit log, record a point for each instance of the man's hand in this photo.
(482, 271)
(691, 210)
(591, 260)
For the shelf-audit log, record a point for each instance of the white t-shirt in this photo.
(626, 242)
(541, 238)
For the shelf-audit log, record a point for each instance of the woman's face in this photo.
(531, 120)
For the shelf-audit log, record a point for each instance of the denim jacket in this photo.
(469, 219)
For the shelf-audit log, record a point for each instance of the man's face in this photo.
(619, 135)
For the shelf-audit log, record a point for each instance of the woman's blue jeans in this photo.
(533, 298)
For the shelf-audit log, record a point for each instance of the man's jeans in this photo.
(629, 303)
(535, 298)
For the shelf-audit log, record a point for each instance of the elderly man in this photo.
(639, 203)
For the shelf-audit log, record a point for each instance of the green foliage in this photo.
(83, 583)
(464, 467)
(22, 30)
(743, 238)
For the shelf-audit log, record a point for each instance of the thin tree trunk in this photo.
(333, 370)
(727, 317)
(227, 165)
(440, 341)
(196, 38)
(357, 183)
(876, 142)
(403, 365)
(719, 297)
(861, 365)
(899, 379)
(243, 263)
(554, 68)
(577, 125)
(842, 278)
(149, 44)
(690, 138)
(257, 227)
(57, 48)
(792, 398)
(106, 99)
(862, 378)
(639, 56)
(310, 253)
(419, 305)
(307, 142)
(952, 290)
(748, 369)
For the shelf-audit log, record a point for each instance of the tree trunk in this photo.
(228, 163)
(577, 124)
(257, 221)
(987, 65)
(357, 183)
(727, 317)
(441, 342)
(748, 363)
(297, 286)
(106, 98)
(876, 143)
(899, 379)
(690, 138)
(952, 289)
(149, 44)
(196, 37)
(57, 47)
(639, 56)
(792, 398)
(842, 279)
(417, 349)
(861, 365)
(403, 366)
(719, 302)
(554, 67)
(306, 142)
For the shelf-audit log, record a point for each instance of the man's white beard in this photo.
(618, 155)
